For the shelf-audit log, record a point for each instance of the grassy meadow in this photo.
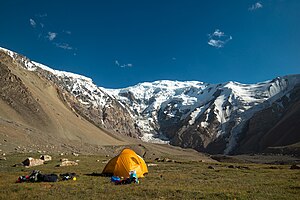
(167, 180)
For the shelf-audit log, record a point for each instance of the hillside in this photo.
(32, 112)
(38, 115)
(230, 118)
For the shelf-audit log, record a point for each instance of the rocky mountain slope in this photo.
(35, 113)
(216, 118)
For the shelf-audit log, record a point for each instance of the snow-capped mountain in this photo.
(193, 114)
(206, 117)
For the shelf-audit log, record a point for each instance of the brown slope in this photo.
(29, 102)
(36, 115)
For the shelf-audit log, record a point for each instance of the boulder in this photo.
(75, 154)
(68, 163)
(30, 162)
(46, 157)
(152, 165)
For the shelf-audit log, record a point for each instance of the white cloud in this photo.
(51, 36)
(64, 46)
(218, 39)
(218, 33)
(123, 65)
(67, 32)
(126, 65)
(255, 6)
(32, 23)
(216, 43)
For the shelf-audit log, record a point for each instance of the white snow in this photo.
(176, 100)
(8, 52)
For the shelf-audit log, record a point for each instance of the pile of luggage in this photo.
(37, 176)
(131, 179)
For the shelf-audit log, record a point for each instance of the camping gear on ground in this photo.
(133, 177)
(68, 176)
(123, 181)
(23, 179)
(125, 162)
(37, 176)
(48, 178)
(115, 179)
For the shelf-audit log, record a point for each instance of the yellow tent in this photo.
(126, 161)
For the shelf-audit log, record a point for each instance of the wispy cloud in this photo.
(128, 65)
(218, 39)
(117, 63)
(67, 32)
(51, 35)
(65, 46)
(218, 33)
(32, 23)
(255, 6)
(123, 65)
(43, 32)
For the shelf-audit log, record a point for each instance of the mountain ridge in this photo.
(203, 116)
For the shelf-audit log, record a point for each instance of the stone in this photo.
(46, 157)
(75, 154)
(30, 162)
(152, 165)
(68, 163)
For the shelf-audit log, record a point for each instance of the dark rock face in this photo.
(277, 125)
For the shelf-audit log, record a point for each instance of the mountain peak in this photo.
(185, 113)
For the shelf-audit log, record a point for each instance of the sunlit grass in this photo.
(168, 180)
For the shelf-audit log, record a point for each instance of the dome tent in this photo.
(125, 162)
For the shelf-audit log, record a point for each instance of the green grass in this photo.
(187, 180)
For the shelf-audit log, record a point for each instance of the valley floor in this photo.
(167, 180)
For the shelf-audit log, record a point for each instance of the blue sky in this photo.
(119, 43)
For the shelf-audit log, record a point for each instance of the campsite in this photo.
(150, 100)
(177, 178)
